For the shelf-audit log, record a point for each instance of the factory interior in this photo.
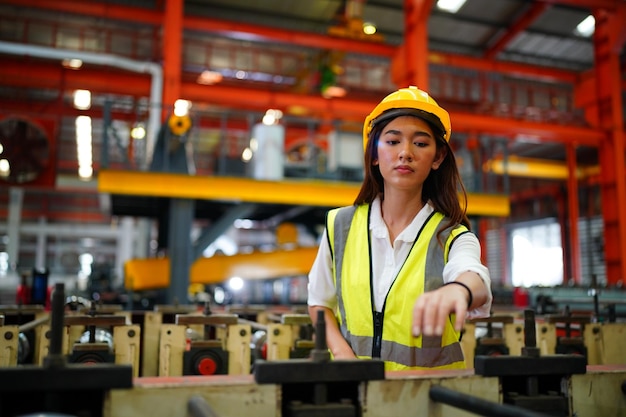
(166, 168)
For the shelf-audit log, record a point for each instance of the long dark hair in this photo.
(442, 186)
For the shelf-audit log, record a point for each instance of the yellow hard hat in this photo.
(407, 98)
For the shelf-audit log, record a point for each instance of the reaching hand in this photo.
(432, 309)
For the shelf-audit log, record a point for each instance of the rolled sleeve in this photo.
(321, 286)
(464, 256)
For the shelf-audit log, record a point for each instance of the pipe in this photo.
(478, 405)
(64, 230)
(197, 406)
(23, 328)
(155, 70)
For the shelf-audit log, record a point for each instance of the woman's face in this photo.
(407, 151)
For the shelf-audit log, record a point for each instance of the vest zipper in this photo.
(378, 334)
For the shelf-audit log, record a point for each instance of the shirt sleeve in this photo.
(321, 286)
(464, 256)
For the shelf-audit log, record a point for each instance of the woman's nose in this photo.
(405, 153)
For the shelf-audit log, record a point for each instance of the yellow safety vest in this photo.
(393, 342)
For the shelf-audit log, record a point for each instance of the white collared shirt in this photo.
(387, 260)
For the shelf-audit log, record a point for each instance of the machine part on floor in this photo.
(28, 320)
(198, 407)
(59, 387)
(302, 334)
(594, 394)
(94, 346)
(532, 381)
(9, 345)
(220, 346)
(605, 343)
(150, 323)
(477, 405)
(104, 338)
(258, 346)
(318, 386)
(24, 350)
(291, 338)
(205, 357)
(492, 344)
(91, 353)
(600, 392)
(570, 343)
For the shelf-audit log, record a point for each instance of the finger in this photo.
(461, 312)
(418, 311)
(429, 316)
(443, 312)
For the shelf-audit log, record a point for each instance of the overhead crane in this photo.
(131, 193)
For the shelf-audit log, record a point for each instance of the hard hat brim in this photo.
(429, 118)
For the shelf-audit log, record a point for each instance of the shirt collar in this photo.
(379, 228)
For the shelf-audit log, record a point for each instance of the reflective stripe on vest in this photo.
(349, 228)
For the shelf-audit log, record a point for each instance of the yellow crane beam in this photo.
(288, 191)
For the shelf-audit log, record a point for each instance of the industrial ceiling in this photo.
(532, 44)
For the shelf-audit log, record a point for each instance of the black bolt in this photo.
(8, 335)
(131, 333)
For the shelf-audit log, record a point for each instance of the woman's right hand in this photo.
(338, 346)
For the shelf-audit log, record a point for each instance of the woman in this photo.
(398, 272)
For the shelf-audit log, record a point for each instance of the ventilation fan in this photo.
(24, 150)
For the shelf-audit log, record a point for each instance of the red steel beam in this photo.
(95, 8)
(43, 74)
(415, 67)
(263, 33)
(587, 4)
(544, 132)
(48, 76)
(172, 54)
(518, 27)
(509, 68)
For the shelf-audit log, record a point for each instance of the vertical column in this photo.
(16, 197)
(179, 249)
(609, 37)
(172, 52)
(181, 211)
(41, 250)
(416, 13)
(573, 214)
(124, 251)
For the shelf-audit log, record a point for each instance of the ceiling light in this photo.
(181, 107)
(82, 99)
(451, 6)
(586, 27)
(209, 77)
(138, 131)
(369, 28)
(73, 63)
(334, 91)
